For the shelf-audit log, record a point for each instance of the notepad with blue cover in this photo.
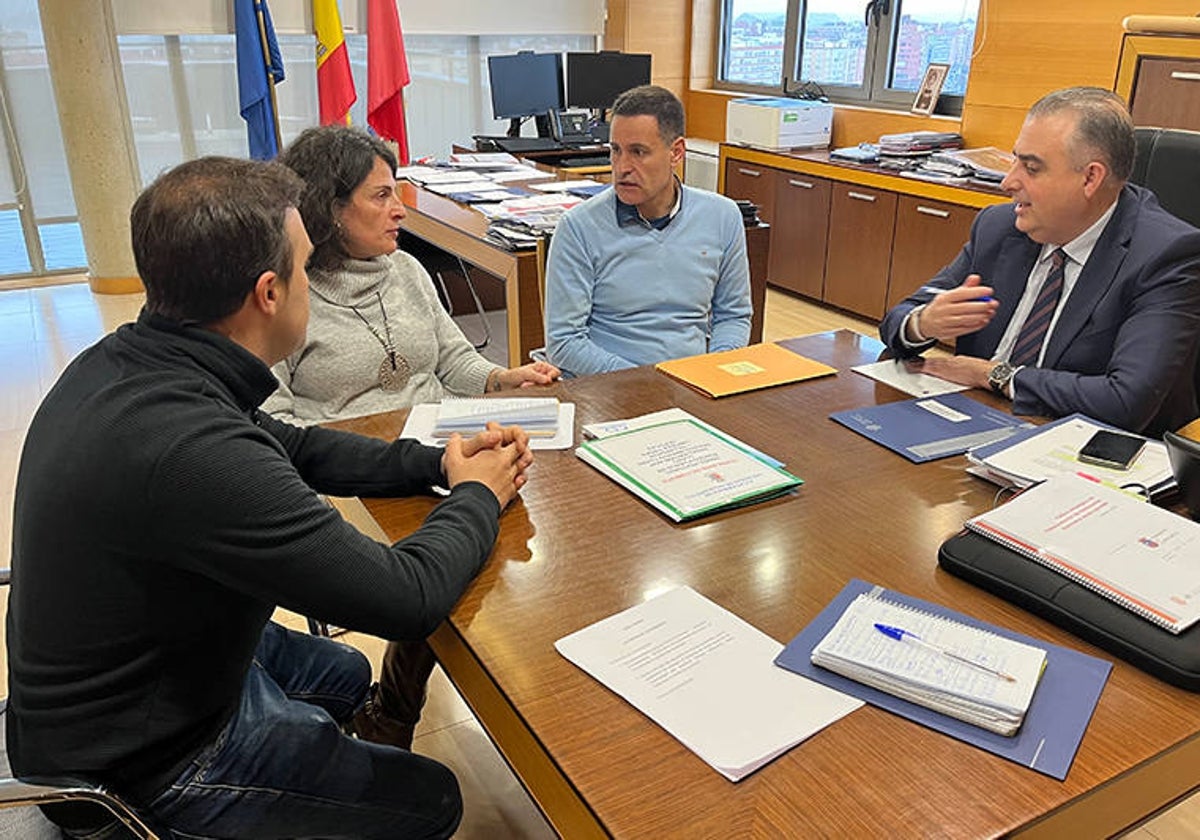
(929, 428)
(1053, 728)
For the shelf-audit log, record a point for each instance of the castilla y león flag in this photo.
(387, 74)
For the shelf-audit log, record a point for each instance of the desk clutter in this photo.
(521, 202)
(932, 156)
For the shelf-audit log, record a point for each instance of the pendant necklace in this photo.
(394, 370)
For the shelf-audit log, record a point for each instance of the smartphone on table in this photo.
(1114, 450)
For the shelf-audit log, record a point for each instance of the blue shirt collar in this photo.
(628, 214)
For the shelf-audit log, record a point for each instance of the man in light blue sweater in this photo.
(650, 269)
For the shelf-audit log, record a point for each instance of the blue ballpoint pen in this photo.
(905, 636)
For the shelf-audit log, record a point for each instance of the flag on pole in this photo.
(387, 74)
(257, 69)
(335, 84)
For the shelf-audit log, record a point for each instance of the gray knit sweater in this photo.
(336, 374)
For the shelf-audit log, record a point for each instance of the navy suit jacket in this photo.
(1125, 346)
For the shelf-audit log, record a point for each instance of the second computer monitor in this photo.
(524, 85)
(595, 80)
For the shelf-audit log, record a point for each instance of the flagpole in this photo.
(266, 51)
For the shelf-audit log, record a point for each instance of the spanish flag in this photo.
(335, 84)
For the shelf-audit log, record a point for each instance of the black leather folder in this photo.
(1044, 592)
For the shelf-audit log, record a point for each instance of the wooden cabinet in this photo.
(754, 183)
(859, 253)
(855, 238)
(801, 229)
(1159, 75)
(929, 234)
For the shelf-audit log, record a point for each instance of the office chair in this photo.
(1185, 464)
(1167, 161)
(18, 817)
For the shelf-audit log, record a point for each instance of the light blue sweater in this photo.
(619, 296)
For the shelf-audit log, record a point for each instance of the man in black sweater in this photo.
(160, 518)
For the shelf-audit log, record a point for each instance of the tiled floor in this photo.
(41, 329)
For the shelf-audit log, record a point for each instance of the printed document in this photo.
(686, 469)
(708, 678)
(909, 380)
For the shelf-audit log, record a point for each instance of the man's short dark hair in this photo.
(333, 160)
(205, 231)
(1104, 128)
(653, 101)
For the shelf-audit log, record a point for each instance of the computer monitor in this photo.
(525, 85)
(595, 80)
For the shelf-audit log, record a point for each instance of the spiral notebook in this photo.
(961, 671)
(1145, 558)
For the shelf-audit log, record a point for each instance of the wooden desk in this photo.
(578, 548)
(460, 230)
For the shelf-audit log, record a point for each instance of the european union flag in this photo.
(254, 92)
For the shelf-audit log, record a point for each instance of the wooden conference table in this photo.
(577, 548)
(462, 231)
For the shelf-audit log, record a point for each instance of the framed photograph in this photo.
(930, 89)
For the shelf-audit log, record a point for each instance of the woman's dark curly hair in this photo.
(333, 160)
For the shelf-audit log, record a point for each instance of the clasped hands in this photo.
(497, 458)
(964, 309)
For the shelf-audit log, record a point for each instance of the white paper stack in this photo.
(857, 649)
(536, 415)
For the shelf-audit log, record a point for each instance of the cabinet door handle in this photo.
(933, 211)
(751, 172)
(807, 185)
(1184, 76)
(860, 196)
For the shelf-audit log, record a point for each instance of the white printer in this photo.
(778, 123)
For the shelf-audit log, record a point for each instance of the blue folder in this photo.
(929, 428)
(1062, 705)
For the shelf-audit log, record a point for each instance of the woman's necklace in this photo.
(394, 369)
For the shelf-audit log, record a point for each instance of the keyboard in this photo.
(599, 160)
(515, 145)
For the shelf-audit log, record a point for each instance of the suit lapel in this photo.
(1094, 280)
(1016, 260)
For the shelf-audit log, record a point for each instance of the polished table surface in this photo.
(577, 548)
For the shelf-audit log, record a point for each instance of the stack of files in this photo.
(862, 153)
(931, 427)
(687, 469)
(987, 164)
(536, 415)
(919, 142)
(422, 421)
(1041, 452)
(705, 676)
(1145, 558)
(480, 194)
(744, 369)
(567, 186)
(484, 161)
(1055, 721)
(957, 670)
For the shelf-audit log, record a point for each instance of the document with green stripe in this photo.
(687, 469)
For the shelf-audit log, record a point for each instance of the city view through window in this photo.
(836, 42)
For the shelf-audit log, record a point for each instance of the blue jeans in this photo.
(283, 768)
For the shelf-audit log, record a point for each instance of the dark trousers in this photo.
(283, 768)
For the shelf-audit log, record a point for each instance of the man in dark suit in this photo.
(1082, 295)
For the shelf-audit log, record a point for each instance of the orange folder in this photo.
(744, 369)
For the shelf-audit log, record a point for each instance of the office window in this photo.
(866, 53)
(182, 91)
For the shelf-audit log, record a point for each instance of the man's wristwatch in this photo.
(1000, 377)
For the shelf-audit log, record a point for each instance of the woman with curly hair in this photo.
(378, 337)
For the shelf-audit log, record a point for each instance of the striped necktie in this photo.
(1033, 333)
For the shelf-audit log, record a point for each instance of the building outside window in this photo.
(866, 53)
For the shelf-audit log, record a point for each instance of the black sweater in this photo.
(160, 518)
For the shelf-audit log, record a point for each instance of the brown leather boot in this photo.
(373, 724)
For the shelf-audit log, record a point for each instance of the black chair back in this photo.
(1167, 162)
(1185, 464)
